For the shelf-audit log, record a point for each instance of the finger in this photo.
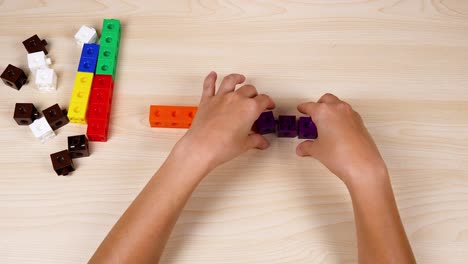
(209, 85)
(248, 91)
(257, 141)
(329, 98)
(309, 108)
(229, 83)
(264, 102)
(307, 148)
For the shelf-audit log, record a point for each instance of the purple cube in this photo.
(287, 126)
(266, 123)
(306, 128)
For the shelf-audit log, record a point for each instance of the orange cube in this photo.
(172, 116)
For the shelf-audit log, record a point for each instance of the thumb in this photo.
(257, 141)
(307, 148)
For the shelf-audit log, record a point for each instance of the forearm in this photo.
(142, 232)
(380, 232)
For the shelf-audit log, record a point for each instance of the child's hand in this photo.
(343, 145)
(222, 126)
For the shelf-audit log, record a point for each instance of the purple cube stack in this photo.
(286, 126)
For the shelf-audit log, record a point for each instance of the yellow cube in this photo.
(80, 96)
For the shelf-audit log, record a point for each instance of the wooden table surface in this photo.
(403, 64)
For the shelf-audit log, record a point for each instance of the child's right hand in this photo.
(343, 145)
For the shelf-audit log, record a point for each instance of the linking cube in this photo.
(38, 60)
(42, 130)
(265, 123)
(35, 44)
(80, 96)
(89, 57)
(14, 77)
(97, 129)
(306, 128)
(46, 80)
(287, 126)
(78, 146)
(25, 113)
(62, 162)
(172, 116)
(86, 35)
(55, 117)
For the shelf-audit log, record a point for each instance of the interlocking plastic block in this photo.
(25, 113)
(287, 126)
(62, 162)
(80, 97)
(55, 117)
(103, 82)
(108, 53)
(111, 27)
(78, 146)
(106, 67)
(86, 35)
(172, 116)
(89, 57)
(38, 60)
(97, 129)
(46, 80)
(42, 130)
(35, 44)
(266, 123)
(306, 128)
(14, 77)
(98, 111)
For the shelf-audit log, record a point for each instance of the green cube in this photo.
(106, 67)
(108, 53)
(111, 26)
(109, 39)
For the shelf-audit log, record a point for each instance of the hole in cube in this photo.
(11, 73)
(104, 67)
(59, 123)
(109, 40)
(174, 114)
(110, 26)
(174, 124)
(107, 53)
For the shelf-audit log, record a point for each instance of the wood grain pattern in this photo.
(401, 63)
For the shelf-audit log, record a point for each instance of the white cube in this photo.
(86, 35)
(46, 80)
(42, 130)
(38, 60)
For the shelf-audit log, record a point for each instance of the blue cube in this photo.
(89, 57)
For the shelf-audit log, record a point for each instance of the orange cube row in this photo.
(172, 116)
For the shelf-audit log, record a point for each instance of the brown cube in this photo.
(25, 114)
(35, 44)
(14, 77)
(78, 146)
(55, 117)
(62, 162)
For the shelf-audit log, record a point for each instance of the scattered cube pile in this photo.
(91, 96)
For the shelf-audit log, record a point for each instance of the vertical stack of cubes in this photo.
(92, 95)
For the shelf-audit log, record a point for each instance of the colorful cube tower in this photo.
(94, 83)
(100, 101)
